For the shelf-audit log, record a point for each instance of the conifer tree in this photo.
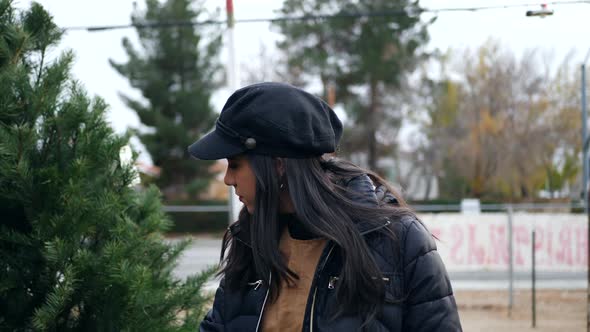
(80, 248)
(365, 55)
(176, 69)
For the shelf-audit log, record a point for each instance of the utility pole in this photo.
(232, 201)
(544, 11)
(585, 179)
(584, 136)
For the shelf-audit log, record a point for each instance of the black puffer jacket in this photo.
(410, 266)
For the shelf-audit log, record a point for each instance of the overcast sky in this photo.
(568, 30)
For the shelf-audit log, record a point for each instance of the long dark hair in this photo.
(326, 208)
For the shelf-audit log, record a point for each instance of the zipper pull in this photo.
(331, 282)
(386, 279)
(256, 284)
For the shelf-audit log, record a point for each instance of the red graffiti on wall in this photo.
(474, 244)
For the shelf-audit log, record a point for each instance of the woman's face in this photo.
(240, 175)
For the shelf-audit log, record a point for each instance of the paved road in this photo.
(205, 252)
(202, 254)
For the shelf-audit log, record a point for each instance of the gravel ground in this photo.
(557, 310)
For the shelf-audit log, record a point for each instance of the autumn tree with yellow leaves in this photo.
(504, 127)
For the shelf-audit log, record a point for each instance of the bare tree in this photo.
(503, 127)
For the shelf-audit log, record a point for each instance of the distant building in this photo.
(217, 189)
(149, 170)
(404, 175)
(401, 173)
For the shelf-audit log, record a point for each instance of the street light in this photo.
(544, 11)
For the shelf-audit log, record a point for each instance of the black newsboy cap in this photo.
(273, 119)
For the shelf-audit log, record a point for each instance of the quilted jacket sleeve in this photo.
(430, 304)
(213, 321)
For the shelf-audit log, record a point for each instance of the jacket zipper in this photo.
(263, 303)
(259, 282)
(332, 282)
(315, 290)
(387, 223)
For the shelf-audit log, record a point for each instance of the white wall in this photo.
(480, 241)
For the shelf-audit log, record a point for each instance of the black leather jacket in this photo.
(410, 266)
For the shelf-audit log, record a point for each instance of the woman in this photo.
(320, 244)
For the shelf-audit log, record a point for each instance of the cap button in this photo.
(250, 143)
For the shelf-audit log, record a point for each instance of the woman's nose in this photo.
(228, 179)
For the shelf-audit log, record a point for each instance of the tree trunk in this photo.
(428, 177)
(372, 128)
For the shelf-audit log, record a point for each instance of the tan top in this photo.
(286, 313)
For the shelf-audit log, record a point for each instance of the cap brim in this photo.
(214, 146)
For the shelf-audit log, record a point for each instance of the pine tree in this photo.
(176, 71)
(80, 249)
(364, 57)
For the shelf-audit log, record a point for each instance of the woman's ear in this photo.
(280, 166)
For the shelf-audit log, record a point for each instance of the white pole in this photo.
(585, 178)
(511, 262)
(234, 204)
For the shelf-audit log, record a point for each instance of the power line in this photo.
(167, 24)
(520, 5)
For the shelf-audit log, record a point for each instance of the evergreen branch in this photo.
(47, 316)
